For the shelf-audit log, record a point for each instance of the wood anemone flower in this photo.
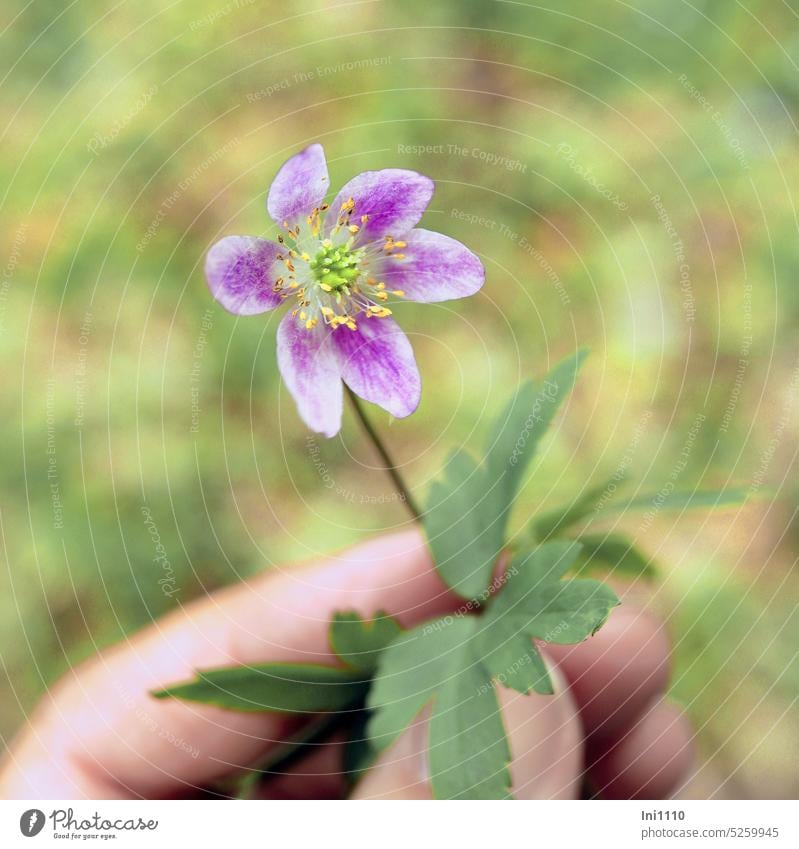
(339, 266)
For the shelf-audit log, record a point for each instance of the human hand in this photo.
(99, 734)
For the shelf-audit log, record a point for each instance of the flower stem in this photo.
(391, 466)
(315, 734)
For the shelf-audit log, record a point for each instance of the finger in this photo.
(545, 740)
(615, 675)
(100, 735)
(650, 761)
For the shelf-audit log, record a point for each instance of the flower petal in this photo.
(376, 361)
(434, 268)
(241, 271)
(393, 199)
(308, 365)
(300, 185)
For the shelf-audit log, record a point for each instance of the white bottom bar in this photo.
(336, 825)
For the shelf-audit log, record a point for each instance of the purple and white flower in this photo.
(340, 265)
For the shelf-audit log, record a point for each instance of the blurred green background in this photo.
(626, 171)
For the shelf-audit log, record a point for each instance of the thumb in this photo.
(545, 738)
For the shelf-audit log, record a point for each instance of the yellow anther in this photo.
(381, 285)
(399, 293)
(353, 228)
(303, 316)
(293, 284)
(398, 256)
(400, 244)
(305, 257)
(310, 324)
(325, 287)
(364, 219)
(378, 312)
(381, 296)
(327, 312)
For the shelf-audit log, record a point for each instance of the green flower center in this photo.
(335, 268)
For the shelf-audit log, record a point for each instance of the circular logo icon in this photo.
(31, 822)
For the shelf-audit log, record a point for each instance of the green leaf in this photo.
(464, 527)
(454, 662)
(524, 421)
(677, 500)
(359, 753)
(469, 752)
(534, 602)
(468, 510)
(274, 687)
(436, 662)
(563, 613)
(554, 522)
(510, 656)
(617, 553)
(358, 642)
(298, 687)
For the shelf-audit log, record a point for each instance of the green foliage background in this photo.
(627, 172)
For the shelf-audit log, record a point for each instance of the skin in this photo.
(99, 735)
